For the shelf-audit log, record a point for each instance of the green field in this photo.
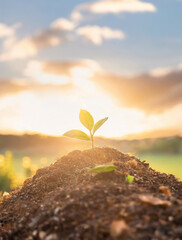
(22, 164)
(167, 163)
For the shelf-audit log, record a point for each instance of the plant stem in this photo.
(91, 136)
(92, 143)
(92, 139)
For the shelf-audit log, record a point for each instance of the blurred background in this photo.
(115, 58)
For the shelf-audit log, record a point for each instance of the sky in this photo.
(120, 59)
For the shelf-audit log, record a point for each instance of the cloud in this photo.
(151, 93)
(14, 86)
(112, 6)
(6, 31)
(159, 72)
(19, 49)
(144, 92)
(49, 37)
(8, 87)
(60, 72)
(55, 34)
(96, 34)
(8, 34)
(63, 24)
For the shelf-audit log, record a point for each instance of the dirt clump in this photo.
(65, 201)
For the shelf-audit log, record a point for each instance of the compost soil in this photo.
(65, 201)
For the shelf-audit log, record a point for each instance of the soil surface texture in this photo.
(66, 202)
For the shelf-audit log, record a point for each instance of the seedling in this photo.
(102, 168)
(129, 179)
(88, 121)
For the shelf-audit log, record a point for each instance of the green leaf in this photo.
(129, 179)
(99, 124)
(77, 134)
(102, 168)
(86, 119)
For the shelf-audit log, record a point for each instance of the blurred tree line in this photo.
(44, 144)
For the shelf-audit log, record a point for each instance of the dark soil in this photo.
(64, 201)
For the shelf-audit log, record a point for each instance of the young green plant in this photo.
(88, 121)
(102, 168)
(129, 179)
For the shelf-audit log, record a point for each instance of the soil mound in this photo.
(65, 201)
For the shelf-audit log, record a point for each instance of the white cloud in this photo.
(117, 6)
(76, 16)
(61, 72)
(160, 72)
(112, 6)
(152, 94)
(63, 24)
(9, 41)
(96, 34)
(55, 34)
(6, 31)
(35, 70)
(20, 49)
